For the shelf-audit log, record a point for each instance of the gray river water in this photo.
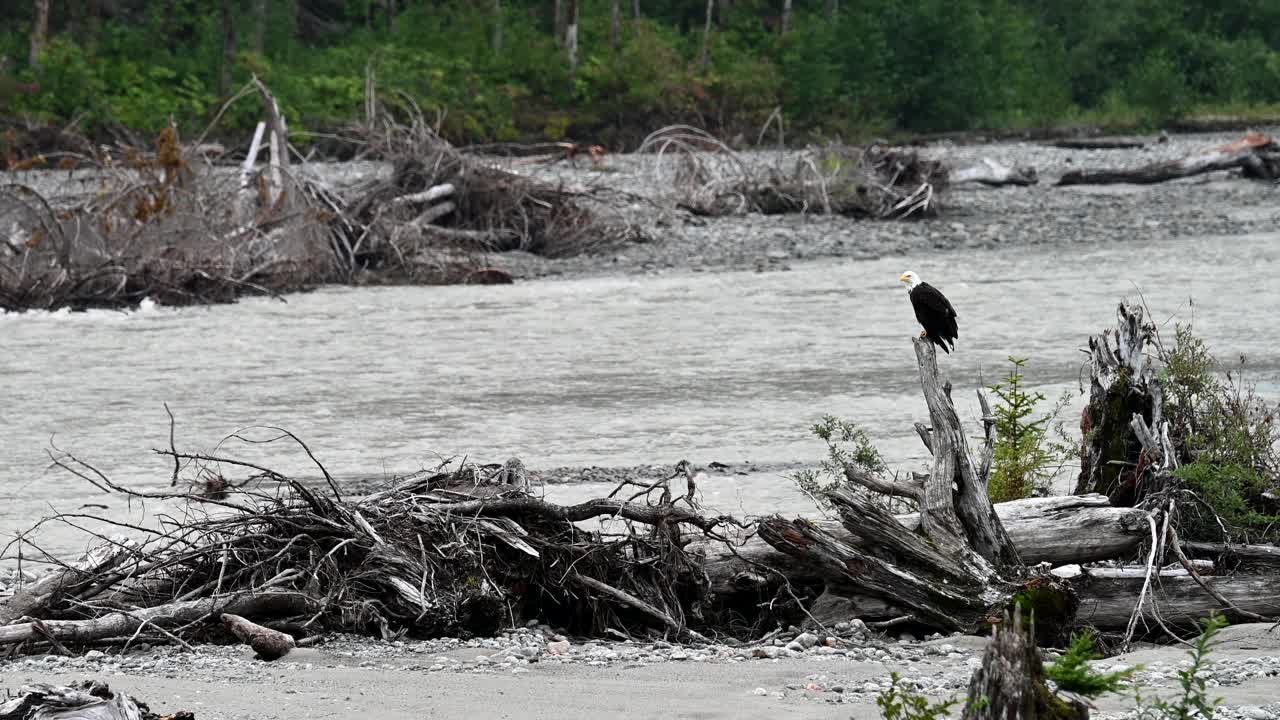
(615, 371)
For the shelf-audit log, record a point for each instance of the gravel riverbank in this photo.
(535, 673)
(973, 216)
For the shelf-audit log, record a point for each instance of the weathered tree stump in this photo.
(959, 569)
(1011, 682)
(1125, 436)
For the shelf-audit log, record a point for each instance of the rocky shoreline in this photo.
(638, 189)
(848, 666)
(972, 216)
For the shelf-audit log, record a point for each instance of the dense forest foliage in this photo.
(610, 71)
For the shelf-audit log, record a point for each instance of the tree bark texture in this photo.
(705, 53)
(1108, 597)
(260, 27)
(228, 46)
(557, 21)
(615, 23)
(785, 24)
(497, 27)
(571, 37)
(39, 31)
(1058, 530)
(1010, 683)
(1122, 387)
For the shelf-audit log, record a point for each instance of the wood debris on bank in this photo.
(83, 700)
(164, 223)
(1256, 156)
(468, 549)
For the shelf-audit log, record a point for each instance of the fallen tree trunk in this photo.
(992, 173)
(125, 623)
(1262, 555)
(1058, 530)
(1227, 157)
(1108, 597)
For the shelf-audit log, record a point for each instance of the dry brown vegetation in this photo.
(163, 222)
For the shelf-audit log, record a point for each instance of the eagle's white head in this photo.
(910, 279)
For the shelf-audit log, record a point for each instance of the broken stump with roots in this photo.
(1126, 448)
(960, 569)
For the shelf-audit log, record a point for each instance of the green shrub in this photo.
(1226, 442)
(1194, 702)
(1071, 673)
(1025, 457)
(847, 446)
(1158, 88)
(898, 703)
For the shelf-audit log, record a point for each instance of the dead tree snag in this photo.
(958, 569)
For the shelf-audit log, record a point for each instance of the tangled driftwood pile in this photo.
(706, 177)
(460, 550)
(469, 549)
(83, 700)
(164, 223)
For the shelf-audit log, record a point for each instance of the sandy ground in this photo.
(394, 682)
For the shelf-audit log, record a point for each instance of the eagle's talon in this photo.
(924, 333)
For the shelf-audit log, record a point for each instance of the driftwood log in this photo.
(124, 623)
(1255, 154)
(267, 643)
(1259, 555)
(958, 569)
(83, 700)
(1058, 530)
(1098, 143)
(1108, 597)
(995, 174)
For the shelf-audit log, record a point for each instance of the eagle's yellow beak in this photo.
(902, 278)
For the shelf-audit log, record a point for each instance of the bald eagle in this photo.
(933, 310)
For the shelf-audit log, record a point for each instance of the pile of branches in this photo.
(164, 222)
(160, 222)
(440, 199)
(876, 182)
(460, 550)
